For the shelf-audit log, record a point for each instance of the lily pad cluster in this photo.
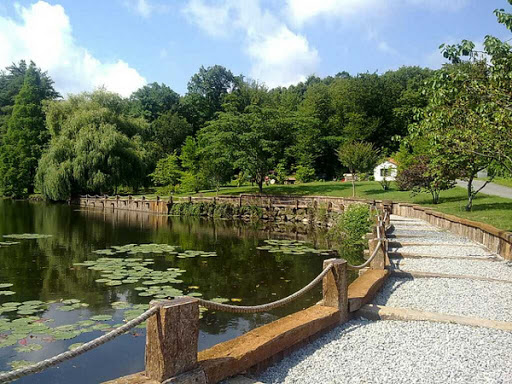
(191, 254)
(291, 247)
(8, 243)
(71, 305)
(133, 249)
(27, 333)
(27, 236)
(4, 291)
(116, 272)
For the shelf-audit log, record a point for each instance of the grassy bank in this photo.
(492, 210)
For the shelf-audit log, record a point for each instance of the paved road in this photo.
(490, 189)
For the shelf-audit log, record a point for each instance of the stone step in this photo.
(380, 312)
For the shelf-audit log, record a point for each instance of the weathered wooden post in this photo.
(379, 262)
(335, 287)
(171, 341)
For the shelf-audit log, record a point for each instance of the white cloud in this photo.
(279, 56)
(451, 5)
(145, 8)
(301, 11)
(212, 19)
(44, 35)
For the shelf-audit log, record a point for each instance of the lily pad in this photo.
(29, 348)
(27, 236)
(101, 318)
(72, 347)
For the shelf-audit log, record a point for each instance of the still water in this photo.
(49, 290)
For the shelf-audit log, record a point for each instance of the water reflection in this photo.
(43, 270)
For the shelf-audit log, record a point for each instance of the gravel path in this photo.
(488, 300)
(399, 352)
(442, 250)
(363, 351)
(494, 270)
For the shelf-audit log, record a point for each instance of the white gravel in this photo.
(488, 300)
(442, 250)
(494, 270)
(399, 352)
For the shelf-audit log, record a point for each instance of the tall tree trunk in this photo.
(469, 205)
(353, 184)
(260, 185)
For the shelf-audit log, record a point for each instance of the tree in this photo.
(169, 132)
(212, 84)
(95, 147)
(153, 100)
(25, 137)
(11, 82)
(167, 172)
(419, 177)
(357, 157)
(253, 142)
(468, 119)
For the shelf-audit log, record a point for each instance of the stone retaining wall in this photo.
(494, 239)
(299, 209)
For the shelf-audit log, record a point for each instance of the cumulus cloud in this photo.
(145, 8)
(303, 11)
(44, 34)
(279, 56)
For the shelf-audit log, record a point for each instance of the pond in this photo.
(75, 274)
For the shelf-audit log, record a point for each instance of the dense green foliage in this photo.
(466, 123)
(352, 226)
(357, 157)
(229, 128)
(94, 148)
(25, 134)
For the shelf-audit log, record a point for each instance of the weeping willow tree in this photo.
(95, 147)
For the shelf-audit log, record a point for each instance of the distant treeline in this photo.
(225, 127)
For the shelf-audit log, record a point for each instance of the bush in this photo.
(418, 177)
(305, 174)
(352, 226)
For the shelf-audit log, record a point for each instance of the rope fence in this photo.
(265, 307)
(42, 365)
(58, 359)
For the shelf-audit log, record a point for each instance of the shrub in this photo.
(305, 174)
(351, 227)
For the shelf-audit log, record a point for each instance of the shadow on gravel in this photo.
(390, 286)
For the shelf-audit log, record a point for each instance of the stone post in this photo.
(172, 338)
(335, 287)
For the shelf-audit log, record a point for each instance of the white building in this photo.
(386, 170)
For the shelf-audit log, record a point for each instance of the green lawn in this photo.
(496, 211)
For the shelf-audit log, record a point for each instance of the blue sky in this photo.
(123, 44)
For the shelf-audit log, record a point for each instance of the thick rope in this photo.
(42, 365)
(264, 307)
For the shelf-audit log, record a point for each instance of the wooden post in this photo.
(172, 338)
(335, 287)
(379, 262)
